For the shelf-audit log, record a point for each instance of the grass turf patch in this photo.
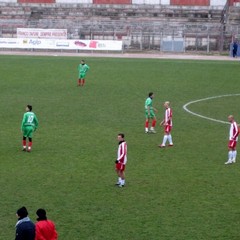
(184, 192)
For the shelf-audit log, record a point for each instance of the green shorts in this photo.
(82, 75)
(28, 131)
(152, 114)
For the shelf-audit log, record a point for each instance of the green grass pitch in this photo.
(180, 193)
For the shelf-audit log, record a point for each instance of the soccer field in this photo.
(180, 193)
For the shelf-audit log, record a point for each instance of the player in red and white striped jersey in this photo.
(121, 159)
(167, 123)
(233, 138)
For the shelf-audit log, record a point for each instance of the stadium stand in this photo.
(140, 26)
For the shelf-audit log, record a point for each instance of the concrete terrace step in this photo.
(119, 19)
(114, 12)
(234, 15)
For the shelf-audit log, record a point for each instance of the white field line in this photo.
(185, 107)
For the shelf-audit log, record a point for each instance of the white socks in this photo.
(170, 139)
(121, 181)
(167, 138)
(232, 156)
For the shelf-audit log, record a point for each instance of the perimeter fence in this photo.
(145, 35)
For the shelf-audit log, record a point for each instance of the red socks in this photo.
(81, 82)
(24, 143)
(154, 123)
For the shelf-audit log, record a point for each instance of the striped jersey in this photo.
(122, 152)
(168, 117)
(233, 133)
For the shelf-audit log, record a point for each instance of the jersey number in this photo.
(30, 119)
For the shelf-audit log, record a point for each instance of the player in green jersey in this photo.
(82, 71)
(150, 113)
(29, 125)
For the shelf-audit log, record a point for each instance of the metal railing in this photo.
(157, 36)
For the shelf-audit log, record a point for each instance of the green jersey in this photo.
(148, 103)
(83, 68)
(29, 120)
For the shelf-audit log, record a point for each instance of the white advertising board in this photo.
(36, 43)
(74, 1)
(153, 2)
(218, 2)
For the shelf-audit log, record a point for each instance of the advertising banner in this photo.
(41, 33)
(36, 1)
(112, 1)
(190, 2)
(36, 43)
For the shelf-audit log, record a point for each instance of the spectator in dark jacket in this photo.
(234, 49)
(25, 228)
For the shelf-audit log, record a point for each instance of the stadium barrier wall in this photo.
(36, 1)
(112, 1)
(151, 2)
(60, 44)
(8, 1)
(75, 1)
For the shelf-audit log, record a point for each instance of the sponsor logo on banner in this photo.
(93, 44)
(97, 44)
(34, 42)
(8, 41)
(62, 44)
(12, 42)
(101, 45)
(80, 44)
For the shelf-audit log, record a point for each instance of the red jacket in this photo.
(45, 230)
